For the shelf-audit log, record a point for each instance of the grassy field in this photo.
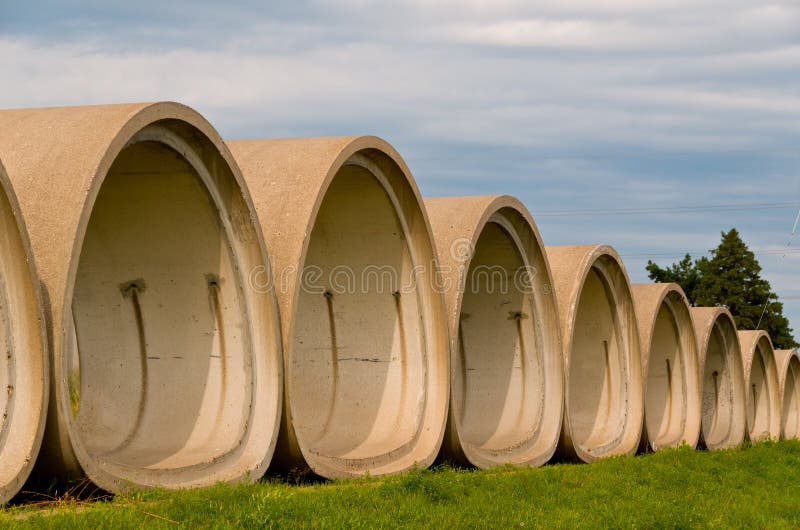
(755, 486)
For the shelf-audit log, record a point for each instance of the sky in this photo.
(585, 110)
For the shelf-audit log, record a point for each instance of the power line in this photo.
(670, 209)
(759, 252)
(794, 230)
(788, 251)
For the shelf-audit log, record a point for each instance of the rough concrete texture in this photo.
(604, 403)
(506, 382)
(24, 373)
(669, 366)
(762, 389)
(788, 365)
(365, 335)
(723, 423)
(165, 363)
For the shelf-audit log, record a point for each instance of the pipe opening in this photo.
(160, 367)
(501, 384)
(597, 403)
(357, 374)
(720, 395)
(717, 411)
(24, 358)
(791, 400)
(759, 409)
(666, 391)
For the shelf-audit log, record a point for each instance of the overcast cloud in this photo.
(568, 105)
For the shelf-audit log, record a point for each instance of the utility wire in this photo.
(794, 231)
(762, 313)
(788, 251)
(759, 252)
(670, 209)
(690, 209)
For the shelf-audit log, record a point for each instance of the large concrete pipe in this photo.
(506, 381)
(24, 373)
(602, 353)
(669, 366)
(166, 363)
(762, 389)
(788, 364)
(365, 335)
(723, 417)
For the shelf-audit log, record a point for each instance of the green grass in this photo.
(756, 486)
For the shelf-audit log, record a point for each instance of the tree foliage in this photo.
(731, 277)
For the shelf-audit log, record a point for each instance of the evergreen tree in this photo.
(685, 273)
(731, 277)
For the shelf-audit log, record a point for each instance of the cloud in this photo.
(565, 104)
(755, 25)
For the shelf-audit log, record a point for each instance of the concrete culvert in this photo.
(762, 390)
(604, 389)
(788, 364)
(506, 382)
(167, 364)
(24, 373)
(669, 366)
(365, 340)
(723, 410)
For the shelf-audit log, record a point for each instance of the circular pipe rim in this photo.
(21, 444)
(472, 215)
(570, 266)
(783, 362)
(114, 127)
(311, 165)
(706, 320)
(649, 299)
(751, 341)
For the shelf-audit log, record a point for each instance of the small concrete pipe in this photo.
(365, 335)
(506, 382)
(24, 374)
(604, 403)
(788, 363)
(723, 410)
(166, 363)
(763, 388)
(669, 366)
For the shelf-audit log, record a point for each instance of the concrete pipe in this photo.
(788, 364)
(604, 390)
(762, 389)
(365, 336)
(669, 366)
(24, 374)
(506, 381)
(166, 364)
(723, 417)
